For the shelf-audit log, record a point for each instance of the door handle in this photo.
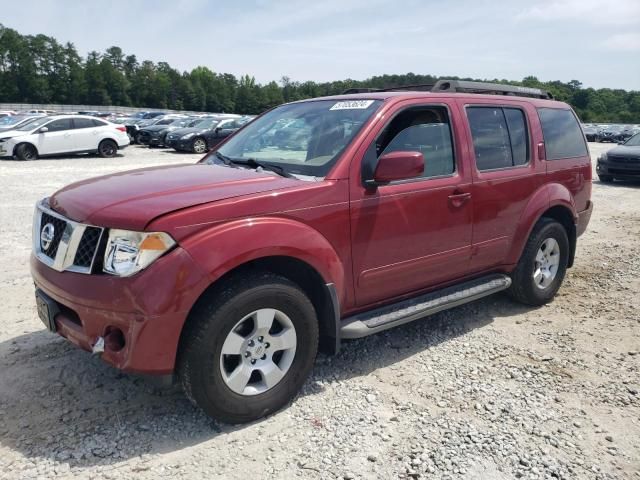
(459, 199)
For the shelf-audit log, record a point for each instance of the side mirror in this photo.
(401, 165)
(43, 130)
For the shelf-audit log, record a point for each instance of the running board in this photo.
(389, 316)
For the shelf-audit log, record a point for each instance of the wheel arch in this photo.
(25, 143)
(321, 294)
(551, 201)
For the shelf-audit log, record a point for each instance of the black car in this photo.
(154, 135)
(621, 162)
(627, 132)
(592, 132)
(204, 135)
(610, 133)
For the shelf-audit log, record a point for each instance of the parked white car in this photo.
(62, 134)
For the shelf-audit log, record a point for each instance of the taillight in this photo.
(121, 129)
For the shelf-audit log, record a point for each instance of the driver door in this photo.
(413, 234)
(58, 138)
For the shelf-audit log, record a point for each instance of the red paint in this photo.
(376, 244)
(399, 166)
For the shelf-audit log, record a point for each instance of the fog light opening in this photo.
(114, 339)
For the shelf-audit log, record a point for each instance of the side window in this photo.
(421, 129)
(563, 137)
(83, 123)
(98, 123)
(59, 125)
(500, 138)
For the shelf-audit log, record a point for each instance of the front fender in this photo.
(220, 249)
(546, 197)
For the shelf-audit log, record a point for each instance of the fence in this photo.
(18, 107)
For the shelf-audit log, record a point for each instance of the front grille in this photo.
(70, 246)
(87, 247)
(624, 160)
(58, 228)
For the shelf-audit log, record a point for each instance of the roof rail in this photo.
(463, 86)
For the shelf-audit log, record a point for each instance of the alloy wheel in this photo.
(546, 263)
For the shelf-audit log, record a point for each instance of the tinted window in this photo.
(563, 137)
(490, 138)
(83, 122)
(98, 123)
(517, 126)
(59, 125)
(424, 130)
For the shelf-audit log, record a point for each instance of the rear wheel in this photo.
(199, 145)
(605, 178)
(248, 347)
(543, 264)
(107, 148)
(26, 151)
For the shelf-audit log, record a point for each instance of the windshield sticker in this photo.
(352, 105)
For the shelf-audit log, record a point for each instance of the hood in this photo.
(625, 151)
(12, 133)
(185, 130)
(130, 200)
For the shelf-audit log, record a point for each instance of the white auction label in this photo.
(352, 105)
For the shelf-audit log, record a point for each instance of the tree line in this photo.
(39, 69)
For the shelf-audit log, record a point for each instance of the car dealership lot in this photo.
(490, 389)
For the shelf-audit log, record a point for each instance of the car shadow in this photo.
(65, 405)
(620, 183)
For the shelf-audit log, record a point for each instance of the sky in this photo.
(595, 42)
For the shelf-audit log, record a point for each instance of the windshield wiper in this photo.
(226, 160)
(253, 163)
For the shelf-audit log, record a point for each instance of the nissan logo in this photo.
(46, 236)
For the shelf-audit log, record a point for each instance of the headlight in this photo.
(129, 252)
(603, 157)
(187, 136)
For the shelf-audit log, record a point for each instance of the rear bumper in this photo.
(150, 308)
(583, 219)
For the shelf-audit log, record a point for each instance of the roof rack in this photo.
(463, 86)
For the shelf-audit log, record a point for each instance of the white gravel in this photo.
(491, 390)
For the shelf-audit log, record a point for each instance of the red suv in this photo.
(322, 220)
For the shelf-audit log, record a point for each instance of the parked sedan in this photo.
(621, 162)
(62, 134)
(154, 135)
(204, 135)
(592, 133)
(610, 133)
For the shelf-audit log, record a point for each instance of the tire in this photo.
(107, 149)
(605, 178)
(208, 375)
(26, 151)
(199, 145)
(533, 284)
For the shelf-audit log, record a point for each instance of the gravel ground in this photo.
(490, 390)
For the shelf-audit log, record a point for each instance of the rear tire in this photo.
(542, 265)
(227, 321)
(107, 149)
(26, 151)
(605, 178)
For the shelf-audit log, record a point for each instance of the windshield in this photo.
(302, 138)
(181, 122)
(633, 141)
(207, 123)
(8, 121)
(35, 124)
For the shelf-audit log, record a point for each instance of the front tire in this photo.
(26, 151)
(248, 348)
(543, 264)
(107, 149)
(199, 145)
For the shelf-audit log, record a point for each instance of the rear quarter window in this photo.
(563, 137)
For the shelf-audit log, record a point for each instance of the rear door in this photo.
(505, 174)
(57, 139)
(413, 234)
(86, 133)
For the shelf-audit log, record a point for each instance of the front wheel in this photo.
(25, 151)
(199, 145)
(248, 347)
(543, 264)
